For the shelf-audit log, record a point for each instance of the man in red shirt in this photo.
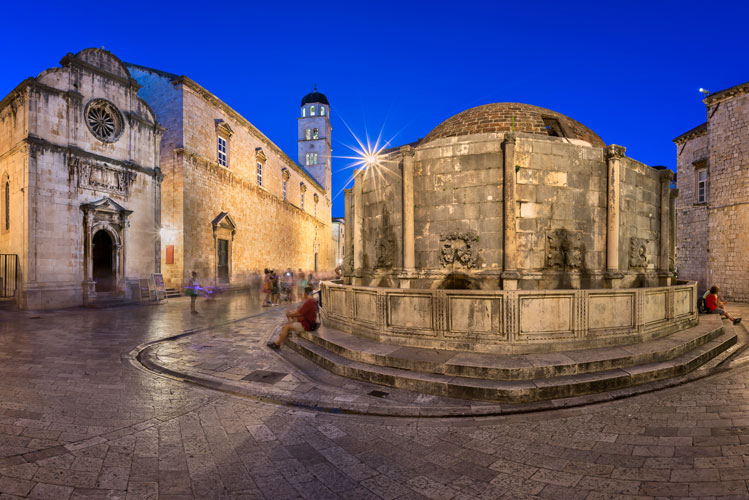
(303, 319)
(715, 305)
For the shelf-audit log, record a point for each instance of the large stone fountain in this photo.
(511, 229)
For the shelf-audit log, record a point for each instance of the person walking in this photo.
(192, 291)
(267, 288)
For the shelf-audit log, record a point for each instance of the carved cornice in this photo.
(510, 138)
(615, 151)
(71, 60)
(697, 131)
(407, 151)
(260, 155)
(223, 128)
(726, 94)
(302, 187)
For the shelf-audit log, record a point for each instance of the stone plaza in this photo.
(223, 417)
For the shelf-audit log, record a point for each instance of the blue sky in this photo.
(628, 70)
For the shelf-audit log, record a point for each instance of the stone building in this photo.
(233, 202)
(79, 166)
(713, 181)
(582, 214)
(339, 240)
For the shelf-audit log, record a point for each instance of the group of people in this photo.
(286, 287)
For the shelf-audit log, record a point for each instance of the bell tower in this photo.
(314, 137)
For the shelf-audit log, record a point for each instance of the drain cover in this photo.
(378, 394)
(264, 376)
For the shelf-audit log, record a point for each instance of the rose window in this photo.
(104, 120)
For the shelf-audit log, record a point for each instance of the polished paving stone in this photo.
(80, 420)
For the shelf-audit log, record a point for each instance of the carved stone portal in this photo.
(638, 253)
(459, 248)
(564, 250)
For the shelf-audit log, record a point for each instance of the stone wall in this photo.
(270, 232)
(560, 213)
(728, 198)
(691, 234)
(509, 321)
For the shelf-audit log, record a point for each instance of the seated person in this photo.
(715, 305)
(303, 319)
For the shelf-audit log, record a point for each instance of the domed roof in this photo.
(315, 97)
(498, 117)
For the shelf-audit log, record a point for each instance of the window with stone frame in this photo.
(259, 174)
(700, 176)
(315, 134)
(223, 157)
(553, 127)
(304, 112)
(312, 111)
(308, 134)
(302, 190)
(311, 158)
(322, 110)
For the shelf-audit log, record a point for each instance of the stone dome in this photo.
(315, 98)
(498, 117)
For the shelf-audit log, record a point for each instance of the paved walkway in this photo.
(78, 420)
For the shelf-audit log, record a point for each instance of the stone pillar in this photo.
(409, 257)
(673, 195)
(358, 227)
(614, 155)
(664, 251)
(348, 241)
(89, 286)
(510, 275)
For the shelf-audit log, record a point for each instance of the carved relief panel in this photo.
(97, 176)
(459, 248)
(565, 250)
(639, 253)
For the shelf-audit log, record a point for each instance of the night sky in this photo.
(628, 70)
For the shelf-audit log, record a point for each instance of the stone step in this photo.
(514, 391)
(518, 366)
(172, 293)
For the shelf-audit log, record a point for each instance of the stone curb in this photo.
(142, 357)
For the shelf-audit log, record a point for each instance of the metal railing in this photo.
(8, 275)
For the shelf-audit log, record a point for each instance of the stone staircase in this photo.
(172, 293)
(515, 378)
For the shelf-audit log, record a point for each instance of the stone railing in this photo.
(505, 321)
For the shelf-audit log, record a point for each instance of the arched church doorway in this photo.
(103, 261)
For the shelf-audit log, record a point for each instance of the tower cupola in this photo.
(314, 137)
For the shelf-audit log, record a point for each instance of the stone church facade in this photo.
(79, 162)
(111, 172)
(713, 207)
(233, 203)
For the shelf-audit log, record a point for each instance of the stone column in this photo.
(510, 275)
(358, 227)
(614, 155)
(664, 251)
(348, 245)
(409, 257)
(89, 287)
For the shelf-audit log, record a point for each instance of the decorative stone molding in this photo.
(407, 151)
(315, 198)
(260, 155)
(510, 137)
(93, 175)
(638, 253)
(615, 151)
(302, 187)
(223, 129)
(104, 120)
(458, 247)
(564, 250)
(285, 174)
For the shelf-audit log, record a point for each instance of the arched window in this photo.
(312, 111)
(315, 135)
(308, 134)
(322, 110)
(6, 200)
(304, 112)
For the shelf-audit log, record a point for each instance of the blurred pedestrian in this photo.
(267, 288)
(193, 291)
(275, 288)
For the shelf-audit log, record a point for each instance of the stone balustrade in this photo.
(509, 321)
